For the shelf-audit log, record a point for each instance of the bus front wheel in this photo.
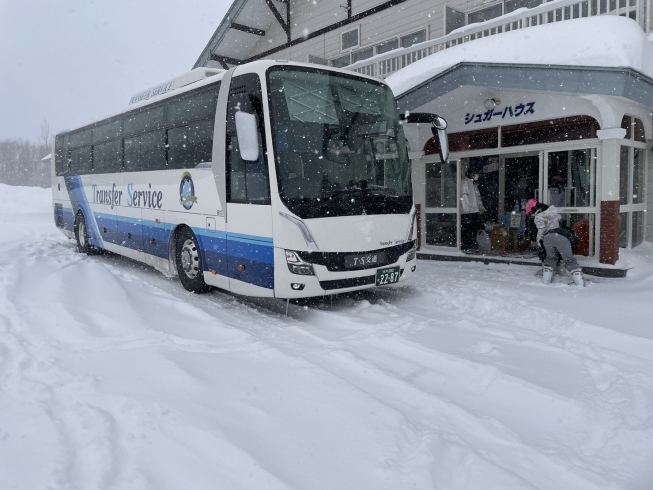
(189, 262)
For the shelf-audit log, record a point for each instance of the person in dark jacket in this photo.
(556, 242)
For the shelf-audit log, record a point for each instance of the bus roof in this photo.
(200, 77)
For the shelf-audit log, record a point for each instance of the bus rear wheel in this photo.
(81, 235)
(188, 258)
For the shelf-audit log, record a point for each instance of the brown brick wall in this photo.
(609, 232)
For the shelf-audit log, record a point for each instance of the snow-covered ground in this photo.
(467, 377)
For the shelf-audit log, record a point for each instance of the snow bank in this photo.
(468, 377)
(604, 41)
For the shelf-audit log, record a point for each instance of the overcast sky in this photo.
(75, 61)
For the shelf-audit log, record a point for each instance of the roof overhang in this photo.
(570, 80)
(243, 26)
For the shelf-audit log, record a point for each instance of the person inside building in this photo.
(557, 242)
(471, 219)
(557, 191)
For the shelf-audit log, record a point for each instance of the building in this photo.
(550, 100)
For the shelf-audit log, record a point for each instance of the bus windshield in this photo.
(339, 147)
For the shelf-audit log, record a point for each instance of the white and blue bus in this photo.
(269, 179)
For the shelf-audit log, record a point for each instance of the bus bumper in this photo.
(325, 282)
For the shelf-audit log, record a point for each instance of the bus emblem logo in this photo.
(187, 191)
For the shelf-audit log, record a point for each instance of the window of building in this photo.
(341, 61)
(442, 229)
(634, 128)
(349, 39)
(550, 131)
(453, 19)
(512, 5)
(415, 38)
(386, 46)
(318, 60)
(485, 14)
(362, 55)
(464, 141)
(632, 195)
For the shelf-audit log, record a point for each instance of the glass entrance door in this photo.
(520, 178)
(570, 177)
(441, 221)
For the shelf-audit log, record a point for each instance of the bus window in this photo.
(190, 145)
(339, 147)
(80, 160)
(198, 106)
(144, 120)
(146, 152)
(60, 156)
(153, 155)
(247, 182)
(107, 132)
(80, 138)
(107, 157)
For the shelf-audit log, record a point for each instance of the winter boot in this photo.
(577, 275)
(547, 274)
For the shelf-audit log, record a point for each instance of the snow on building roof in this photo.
(604, 41)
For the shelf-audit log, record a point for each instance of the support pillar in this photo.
(609, 249)
(609, 194)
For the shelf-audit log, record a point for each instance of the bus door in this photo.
(249, 213)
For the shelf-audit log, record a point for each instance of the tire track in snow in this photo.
(507, 466)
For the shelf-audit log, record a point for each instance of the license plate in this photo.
(365, 260)
(387, 276)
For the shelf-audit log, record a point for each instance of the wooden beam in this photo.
(284, 25)
(324, 30)
(249, 30)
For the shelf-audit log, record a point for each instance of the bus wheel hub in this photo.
(190, 259)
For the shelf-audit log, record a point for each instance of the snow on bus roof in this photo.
(605, 41)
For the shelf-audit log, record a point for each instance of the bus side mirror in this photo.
(247, 133)
(438, 128)
(444, 145)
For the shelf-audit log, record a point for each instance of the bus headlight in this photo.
(297, 266)
(411, 254)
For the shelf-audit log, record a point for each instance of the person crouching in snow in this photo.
(557, 242)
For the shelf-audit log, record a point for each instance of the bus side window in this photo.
(247, 182)
(60, 156)
(190, 128)
(81, 161)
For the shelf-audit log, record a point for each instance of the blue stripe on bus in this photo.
(77, 196)
(68, 219)
(225, 252)
(249, 238)
(254, 252)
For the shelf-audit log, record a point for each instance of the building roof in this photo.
(582, 80)
(604, 41)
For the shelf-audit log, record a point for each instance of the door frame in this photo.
(423, 162)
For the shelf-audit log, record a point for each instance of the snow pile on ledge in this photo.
(607, 41)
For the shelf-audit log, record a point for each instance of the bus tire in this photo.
(188, 259)
(81, 235)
